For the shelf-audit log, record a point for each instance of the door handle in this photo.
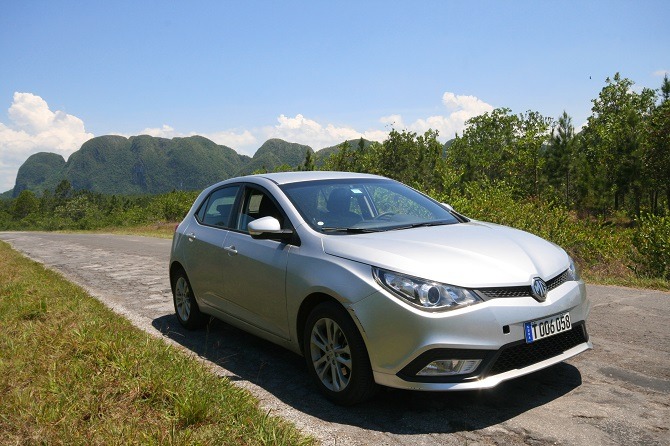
(230, 250)
(191, 236)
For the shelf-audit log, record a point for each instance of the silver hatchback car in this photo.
(375, 283)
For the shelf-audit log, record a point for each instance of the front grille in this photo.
(516, 291)
(558, 280)
(520, 355)
(523, 291)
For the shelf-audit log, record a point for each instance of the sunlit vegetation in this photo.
(603, 192)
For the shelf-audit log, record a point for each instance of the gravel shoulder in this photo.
(618, 393)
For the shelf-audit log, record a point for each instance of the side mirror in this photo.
(268, 228)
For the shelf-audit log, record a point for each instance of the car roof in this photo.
(296, 177)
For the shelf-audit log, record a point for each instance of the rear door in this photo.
(205, 256)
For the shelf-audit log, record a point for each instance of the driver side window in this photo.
(257, 204)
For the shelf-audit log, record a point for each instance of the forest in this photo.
(601, 192)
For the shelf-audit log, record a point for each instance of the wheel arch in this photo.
(311, 302)
(175, 267)
(308, 304)
(362, 385)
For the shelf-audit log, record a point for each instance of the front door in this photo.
(255, 282)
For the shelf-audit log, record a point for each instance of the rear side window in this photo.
(217, 208)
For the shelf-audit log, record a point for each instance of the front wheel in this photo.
(336, 355)
(185, 306)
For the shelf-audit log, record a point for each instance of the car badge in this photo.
(538, 289)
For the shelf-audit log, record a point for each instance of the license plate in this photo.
(545, 328)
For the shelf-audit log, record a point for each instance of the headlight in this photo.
(427, 295)
(573, 270)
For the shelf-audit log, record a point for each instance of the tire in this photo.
(185, 306)
(336, 356)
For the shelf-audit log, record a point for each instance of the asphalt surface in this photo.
(618, 393)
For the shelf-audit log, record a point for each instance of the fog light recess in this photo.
(450, 367)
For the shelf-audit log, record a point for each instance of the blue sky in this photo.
(310, 72)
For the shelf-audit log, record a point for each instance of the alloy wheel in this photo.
(182, 297)
(330, 354)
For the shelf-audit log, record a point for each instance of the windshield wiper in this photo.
(421, 225)
(349, 230)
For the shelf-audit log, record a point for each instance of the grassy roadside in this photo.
(160, 230)
(73, 372)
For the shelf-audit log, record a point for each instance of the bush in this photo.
(595, 246)
(172, 206)
(651, 242)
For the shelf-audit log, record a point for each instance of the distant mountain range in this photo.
(149, 165)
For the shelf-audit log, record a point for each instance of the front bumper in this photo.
(401, 340)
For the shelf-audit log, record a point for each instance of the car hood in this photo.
(473, 254)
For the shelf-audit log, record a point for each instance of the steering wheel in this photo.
(384, 214)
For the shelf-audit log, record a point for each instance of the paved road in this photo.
(618, 393)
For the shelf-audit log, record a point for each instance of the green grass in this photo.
(73, 372)
(160, 230)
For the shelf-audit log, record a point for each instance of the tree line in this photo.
(619, 162)
(69, 208)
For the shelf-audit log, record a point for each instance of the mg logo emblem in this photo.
(538, 289)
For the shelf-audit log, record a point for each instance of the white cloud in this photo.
(307, 131)
(661, 73)
(244, 142)
(300, 129)
(33, 128)
(460, 108)
(161, 132)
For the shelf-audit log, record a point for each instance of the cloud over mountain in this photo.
(314, 134)
(33, 128)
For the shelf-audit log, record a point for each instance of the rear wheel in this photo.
(185, 306)
(336, 355)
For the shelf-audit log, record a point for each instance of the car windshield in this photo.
(365, 205)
